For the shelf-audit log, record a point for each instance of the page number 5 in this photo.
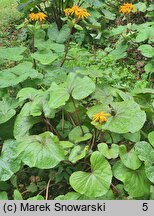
(145, 207)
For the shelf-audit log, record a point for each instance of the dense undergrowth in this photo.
(77, 101)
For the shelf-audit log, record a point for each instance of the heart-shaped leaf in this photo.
(80, 87)
(77, 153)
(17, 74)
(129, 159)
(135, 181)
(12, 54)
(45, 58)
(128, 118)
(109, 153)
(97, 182)
(42, 151)
(58, 95)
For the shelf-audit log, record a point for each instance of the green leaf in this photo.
(42, 151)
(23, 124)
(142, 35)
(104, 93)
(38, 197)
(66, 144)
(120, 51)
(108, 14)
(129, 159)
(58, 36)
(53, 31)
(58, 95)
(128, 118)
(144, 151)
(149, 67)
(147, 50)
(149, 170)
(76, 135)
(80, 87)
(6, 112)
(69, 196)
(77, 153)
(3, 195)
(9, 160)
(63, 34)
(45, 58)
(109, 153)
(96, 183)
(151, 138)
(17, 195)
(141, 6)
(12, 54)
(28, 93)
(32, 187)
(135, 181)
(17, 74)
(133, 137)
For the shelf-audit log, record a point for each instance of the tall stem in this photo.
(67, 47)
(33, 50)
(77, 115)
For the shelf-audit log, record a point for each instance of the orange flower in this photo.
(127, 8)
(101, 117)
(79, 13)
(40, 16)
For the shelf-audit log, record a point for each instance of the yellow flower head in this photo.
(127, 8)
(79, 13)
(101, 117)
(40, 16)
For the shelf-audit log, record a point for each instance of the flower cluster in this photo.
(79, 13)
(101, 117)
(40, 16)
(127, 8)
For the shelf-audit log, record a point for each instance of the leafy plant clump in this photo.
(77, 102)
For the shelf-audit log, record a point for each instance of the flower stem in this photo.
(67, 47)
(77, 114)
(33, 50)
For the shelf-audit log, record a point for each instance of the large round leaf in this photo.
(42, 151)
(45, 58)
(129, 159)
(147, 50)
(128, 118)
(80, 87)
(135, 181)
(12, 53)
(18, 74)
(97, 182)
(58, 95)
